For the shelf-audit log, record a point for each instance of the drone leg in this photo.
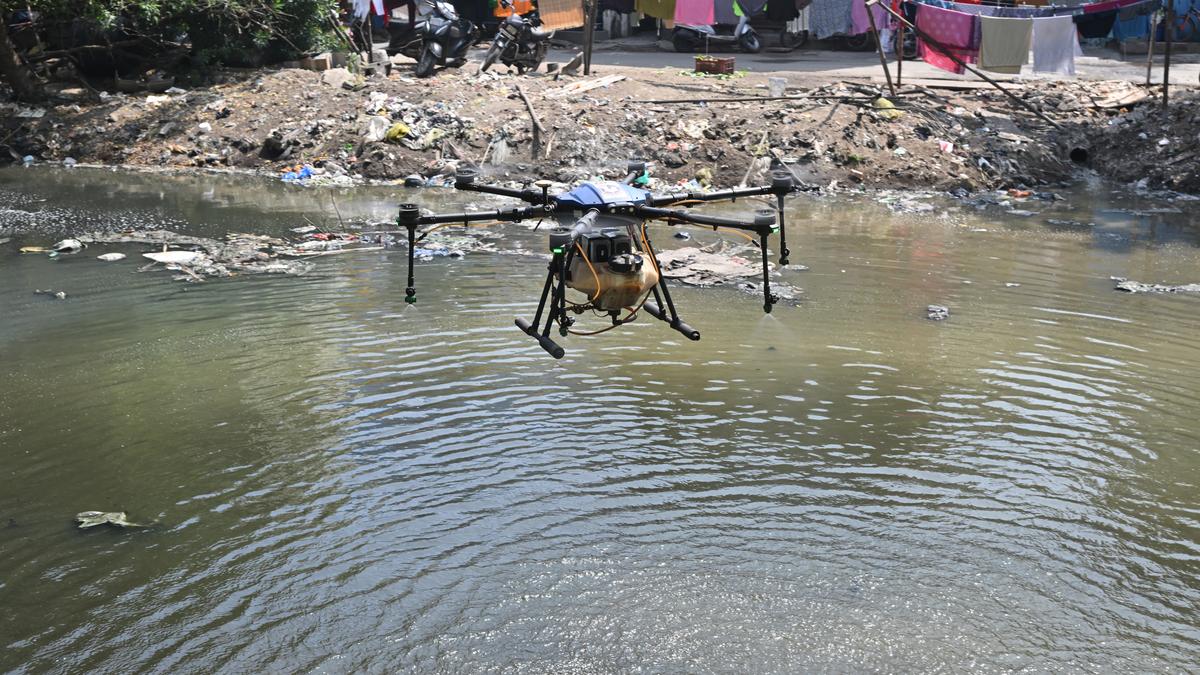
(655, 309)
(783, 249)
(768, 299)
(410, 293)
(532, 330)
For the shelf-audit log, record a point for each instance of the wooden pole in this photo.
(538, 129)
(950, 55)
(899, 54)
(1167, 54)
(589, 34)
(887, 73)
(1150, 46)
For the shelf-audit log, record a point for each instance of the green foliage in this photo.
(232, 32)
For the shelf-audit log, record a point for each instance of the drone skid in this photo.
(623, 251)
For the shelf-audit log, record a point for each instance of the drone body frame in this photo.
(622, 201)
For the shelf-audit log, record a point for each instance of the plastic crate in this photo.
(715, 65)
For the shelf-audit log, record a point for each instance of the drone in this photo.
(601, 247)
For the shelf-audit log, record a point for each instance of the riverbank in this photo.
(950, 135)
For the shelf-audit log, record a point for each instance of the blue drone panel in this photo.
(594, 194)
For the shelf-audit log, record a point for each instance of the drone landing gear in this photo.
(557, 295)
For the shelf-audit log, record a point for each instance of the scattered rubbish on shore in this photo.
(937, 312)
(1130, 286)
(34, 249)
(89, 519)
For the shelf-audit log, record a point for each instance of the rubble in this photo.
(843, 135)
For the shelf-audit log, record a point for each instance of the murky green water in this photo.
(347, 484)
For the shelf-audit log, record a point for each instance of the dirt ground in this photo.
(937, 136)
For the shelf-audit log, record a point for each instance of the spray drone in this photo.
(601, 247)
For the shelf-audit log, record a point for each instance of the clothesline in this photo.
(1027, 11)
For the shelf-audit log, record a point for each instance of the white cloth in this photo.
(1055, 42)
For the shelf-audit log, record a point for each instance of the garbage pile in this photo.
(205, 258)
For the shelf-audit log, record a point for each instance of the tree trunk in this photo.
(13, 71)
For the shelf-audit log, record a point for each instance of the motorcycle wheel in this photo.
(490, 57)
(750, 43)
(681, 42)
(425, 64)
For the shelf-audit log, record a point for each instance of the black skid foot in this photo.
(546, 343)
(655, 311)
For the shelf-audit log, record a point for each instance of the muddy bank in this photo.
(833, 134)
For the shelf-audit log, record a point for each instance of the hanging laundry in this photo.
(1054, 45)
(955, 31)
(1130, 12)
(694, 12)
(659, 9)
(1097, 25)
(1004, 46)
(723, 12)
(750, 7)
(783, 10)
(827, 18)
(860, 22)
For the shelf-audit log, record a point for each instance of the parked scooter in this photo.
(689, 38)
(440, 39)
(520, 41)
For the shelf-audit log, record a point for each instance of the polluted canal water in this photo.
(333, 481)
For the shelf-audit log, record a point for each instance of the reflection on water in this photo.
(346, 483)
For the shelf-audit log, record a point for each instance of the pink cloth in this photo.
(862, 23)
(956, 31)
(1102, 6)
(695, 12)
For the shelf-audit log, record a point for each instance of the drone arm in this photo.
(465, 180)
(529, 196)
(665, 198)
(509, 215)
(763, 222)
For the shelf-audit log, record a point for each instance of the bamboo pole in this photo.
(1150, 46)
(950, 55)
(887, 73)
(1167, 53)
(899, 54)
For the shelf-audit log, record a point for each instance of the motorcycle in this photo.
(688, 38)
(519, 42)
(440, 39)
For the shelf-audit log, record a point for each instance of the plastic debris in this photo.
(937, 313)
(57, 295)
(111, 257)
(66, 247)
(174, 257)
(88, 519)
(397, 131)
